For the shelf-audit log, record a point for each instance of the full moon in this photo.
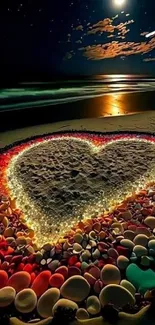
(119, 2)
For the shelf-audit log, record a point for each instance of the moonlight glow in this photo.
(119, 2)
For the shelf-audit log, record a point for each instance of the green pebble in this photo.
(142, 280)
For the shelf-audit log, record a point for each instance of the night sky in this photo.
(52, 37)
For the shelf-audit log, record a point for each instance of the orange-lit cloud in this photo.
(107, 26)
(116, 49)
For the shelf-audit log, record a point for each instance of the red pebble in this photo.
(41, 283)
(33, 276)
(62, 270)
(20, 267)
(17, 259)
(28, 268)
(56, 280)
(73, 270)
(122, 251)
(19, 281)
(98, 286)
(3, 279)
(100, 264)
(78, 264)
(72, 260)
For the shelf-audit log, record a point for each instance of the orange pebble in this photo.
(3, 279)
(19, 281)
(56, 280)
(41, 283)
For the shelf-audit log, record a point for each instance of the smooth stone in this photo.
(26, 301)
(7, 296)
(41, 283)
(96, 254)
(97, 226)
(38, 257)
(143, 231)
(150, 222)
(122, 262)
(3, 278)
(78, 238)
(82, 314)
(112, 253)
(141, 240)
(140, 250)
(47, 301)
(62, 270)
(95, 272)
(91, 280)
(75, 288)
(93, 305)
(117, 225)
(84, 265)
(53, 265)
(8, 232)
(129, 286)
(152, 252)
(85, 256)
(145, 261)
(142, 280)
(77, 248)
(116, 295)
(127, 243)
(129, 234)
(98, 286)
(21, 241)
(73, 270)
(47, 247)
(64, 303)
(19, 281)
(126, 215)
(151, 244)
(56, 280)
(110, 274)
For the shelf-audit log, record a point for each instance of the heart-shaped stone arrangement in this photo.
(59, 181)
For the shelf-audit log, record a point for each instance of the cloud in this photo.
(106, 25)
(78, 41)
(144, 34)
(149, 60)
(116, 49)
(80, 28)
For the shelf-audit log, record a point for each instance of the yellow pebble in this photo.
(5, 222)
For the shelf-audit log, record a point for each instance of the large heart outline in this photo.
(43, 228)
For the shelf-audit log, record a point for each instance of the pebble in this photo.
(53, 265)
(95, 272)
(62, 270)
(122, 262)
(129, 234)
(85, 256)
(7, 296)
(110, 274)
(151, 244)
(143, 231)
(145, 261)
(64, 303)
(98, 286)
(26, 301)
(77, 248)
(56, 280)
(126, 215)
(91, 280)
(19, 281)
(93, 305)
(141, 240)
(122, 251)
(129, 286)
(78, 238)
(150, 222)
(82, 314)
(21, 241)
(75, 288)
(112, 253)
(41, 283)
(96, 254)
(73, 270)
(116, 295)
(140, 250)
(47, 301)
(8, 232)
(142, 280)
(127, 243)
(3, 278)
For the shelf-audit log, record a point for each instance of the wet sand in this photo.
(108, 105)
